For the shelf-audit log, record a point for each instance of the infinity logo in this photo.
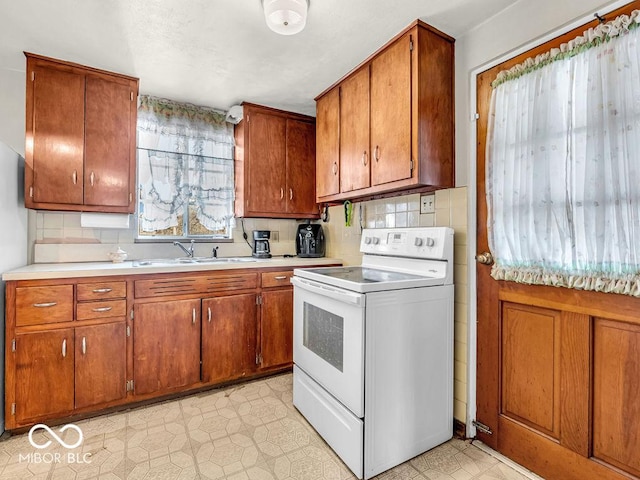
(56, 437)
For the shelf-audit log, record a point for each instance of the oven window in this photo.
(324, 334)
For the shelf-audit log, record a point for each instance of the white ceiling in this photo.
(220, 52)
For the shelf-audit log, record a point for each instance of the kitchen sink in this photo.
(148, 262)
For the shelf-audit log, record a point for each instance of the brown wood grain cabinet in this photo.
(80, 137)
(276, 320)
(328, 146)
(275, 164)
(396, 120)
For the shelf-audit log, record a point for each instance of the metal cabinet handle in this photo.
(64, 348)
(45, 305)
(84, 345)
(335, 168)
(102, 309)
(291, 194)
(281, 193)
(280, 277)
(209, 314)
(376, 153)
(364, 158)
(92, 178)
(102, 290)
(193, 315)
(74, 177)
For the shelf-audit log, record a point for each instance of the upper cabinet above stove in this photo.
(389, 125)
(275, 164)
(81, 137)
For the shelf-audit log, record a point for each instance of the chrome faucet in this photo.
(214, 252)
(188, 251)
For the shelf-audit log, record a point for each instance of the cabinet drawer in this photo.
(277, 279)
(37, 305)
(100, 291)
(109, 308)
(213, 283)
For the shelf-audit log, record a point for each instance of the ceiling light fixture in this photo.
(286, 17)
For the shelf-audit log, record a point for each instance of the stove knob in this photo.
(430, 242)
(376, 240)
(367, 240)
(418, 242)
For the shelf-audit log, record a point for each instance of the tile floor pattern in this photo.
(243, 432)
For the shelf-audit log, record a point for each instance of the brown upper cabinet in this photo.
(80, 137)
(275, 164)
(388, 126)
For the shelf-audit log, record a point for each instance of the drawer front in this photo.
(38, 305)
(277, 279)
(224, 282)
(101, 291)
(108, 308)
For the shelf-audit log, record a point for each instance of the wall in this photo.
(404, 211)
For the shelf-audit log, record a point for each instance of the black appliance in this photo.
(310, 240)
(261, 244)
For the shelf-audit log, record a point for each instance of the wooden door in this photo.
(391, 113)
(55, 129)
(327, 144)
(107, 168)
(301, 167)
(355, 157)
(228, 337)
(276, 328)
(265, 168)
(166, 345)
(101, 364)
(44, 374)
(557, 369)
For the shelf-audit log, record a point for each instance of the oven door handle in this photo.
(344, 296)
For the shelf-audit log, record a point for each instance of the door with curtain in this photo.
(558, 369)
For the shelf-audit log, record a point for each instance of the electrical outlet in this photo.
(428, 203)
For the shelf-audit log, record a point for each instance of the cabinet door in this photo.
(108, 166)
(327, 144)
(266, 183)
(55, 126)
(276, 333)
(100, 354)
(228, 337)
(166, 345)
(44, 374)
(391, 113)
(301, 167)
(355, 158)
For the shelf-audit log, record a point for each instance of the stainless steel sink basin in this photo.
(148, 262)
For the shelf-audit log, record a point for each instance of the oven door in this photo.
(328, 339)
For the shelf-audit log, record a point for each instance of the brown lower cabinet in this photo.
(78, 346)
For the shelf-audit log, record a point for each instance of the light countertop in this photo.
(40, 271)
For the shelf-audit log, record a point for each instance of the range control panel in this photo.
(419, 242)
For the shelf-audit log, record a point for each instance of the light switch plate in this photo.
(428, 203)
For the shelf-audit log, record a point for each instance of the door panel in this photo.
(557, 369)
(228, 337)
(327, 144)
(301, 167)
(107, 143)
(58, 133)
(276, 337)
(355, 156)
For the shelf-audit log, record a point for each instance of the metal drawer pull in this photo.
(281, 193)
(209, 314)
(102, 309)
(280, 277)
(334, 169)
(44, 305)
(75, 177)
(91, 178)
(376, 153)
(291, 194)
(364, 158)
(102, 290)
(84, 345)
(64, 348)
(193, 315)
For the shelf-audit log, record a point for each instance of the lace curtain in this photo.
(185, 157)
(563, 164)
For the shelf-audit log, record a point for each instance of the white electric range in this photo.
(373, 348)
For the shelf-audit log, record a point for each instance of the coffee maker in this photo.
(310, 240)
(261, 244)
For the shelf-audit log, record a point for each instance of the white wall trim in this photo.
(472, 192)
